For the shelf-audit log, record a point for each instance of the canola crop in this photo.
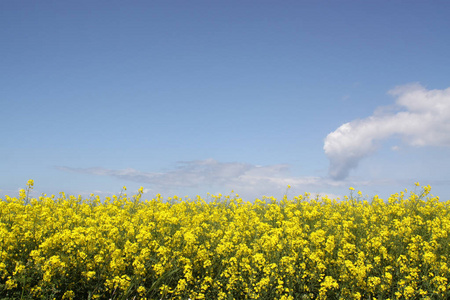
(67, 247)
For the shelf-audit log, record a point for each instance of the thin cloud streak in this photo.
(422, 119)
(249, 181)
(203, 172)
(211, 175)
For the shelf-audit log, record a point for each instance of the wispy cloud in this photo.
(210, 175)
(421, 117)
(250, 181)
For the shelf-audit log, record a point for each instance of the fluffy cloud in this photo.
(422, 118)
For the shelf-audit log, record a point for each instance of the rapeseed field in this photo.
(67, 247)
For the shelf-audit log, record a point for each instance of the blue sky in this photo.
(190, 97)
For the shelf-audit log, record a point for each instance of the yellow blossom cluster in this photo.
(121, 247)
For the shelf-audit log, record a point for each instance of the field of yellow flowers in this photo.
(67, 247)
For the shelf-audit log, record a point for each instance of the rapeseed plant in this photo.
(124, 247)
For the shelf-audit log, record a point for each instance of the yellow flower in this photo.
(90, 274)
(10, 283)
(409, 292)
(68, 295)
(141, 290)
(329, 283)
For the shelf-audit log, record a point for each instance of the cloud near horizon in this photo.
(422, 119)
(211, 175)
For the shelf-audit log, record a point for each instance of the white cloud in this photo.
(422, 118)
(209, 175)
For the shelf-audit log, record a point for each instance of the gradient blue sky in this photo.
(190, 97)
